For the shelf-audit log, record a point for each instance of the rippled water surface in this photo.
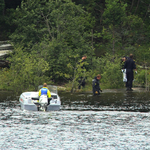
(113, 120)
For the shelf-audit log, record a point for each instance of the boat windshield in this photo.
(52, 88)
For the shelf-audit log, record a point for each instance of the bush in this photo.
(109, 68)
(141, 77)
(26, 72)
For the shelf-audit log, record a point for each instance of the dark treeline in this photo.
(12, 4)
(50, 37)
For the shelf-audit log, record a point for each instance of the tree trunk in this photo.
(73, 81)
(147, 11)
(137, 6)
(113, 42)
(92, 38)
(132, 5)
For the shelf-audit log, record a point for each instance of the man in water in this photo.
(45, 91)
(129, 66)
(96, 85)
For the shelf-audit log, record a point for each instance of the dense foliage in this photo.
(51, 36)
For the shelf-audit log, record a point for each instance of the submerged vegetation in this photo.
(50, 37)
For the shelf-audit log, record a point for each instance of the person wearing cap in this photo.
(96, 85)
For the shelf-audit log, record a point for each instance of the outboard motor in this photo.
(43, 101)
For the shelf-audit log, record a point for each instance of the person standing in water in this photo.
(96, 85)
(130, 66)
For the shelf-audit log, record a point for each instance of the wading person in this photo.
(96, 85)
(45, 91)
(130, 66)
(81, 80)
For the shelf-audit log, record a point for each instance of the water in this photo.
(108, 101)
(114, 120)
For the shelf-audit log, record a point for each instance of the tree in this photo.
(56, 29)
(27, 71)
(114, 16)
(2, 7)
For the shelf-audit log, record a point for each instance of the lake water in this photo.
(114, 120)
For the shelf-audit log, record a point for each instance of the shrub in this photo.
(26, 72)
(109, 68)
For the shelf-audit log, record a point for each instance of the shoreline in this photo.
(64, 89)
(135, 89)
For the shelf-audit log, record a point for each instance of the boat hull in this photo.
(27, 102)
(28, 107)
(35, 108)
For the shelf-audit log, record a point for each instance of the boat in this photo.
(30, 100)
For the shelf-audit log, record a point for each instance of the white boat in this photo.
(30, 100)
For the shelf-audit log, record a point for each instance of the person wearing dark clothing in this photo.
(130, 66)
(81, 79)
(96, 85)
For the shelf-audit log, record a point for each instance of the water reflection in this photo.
(108, 101)
(7, 96)
(8, 100)
(127, 101)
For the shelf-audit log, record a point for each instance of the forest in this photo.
(50, 37)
